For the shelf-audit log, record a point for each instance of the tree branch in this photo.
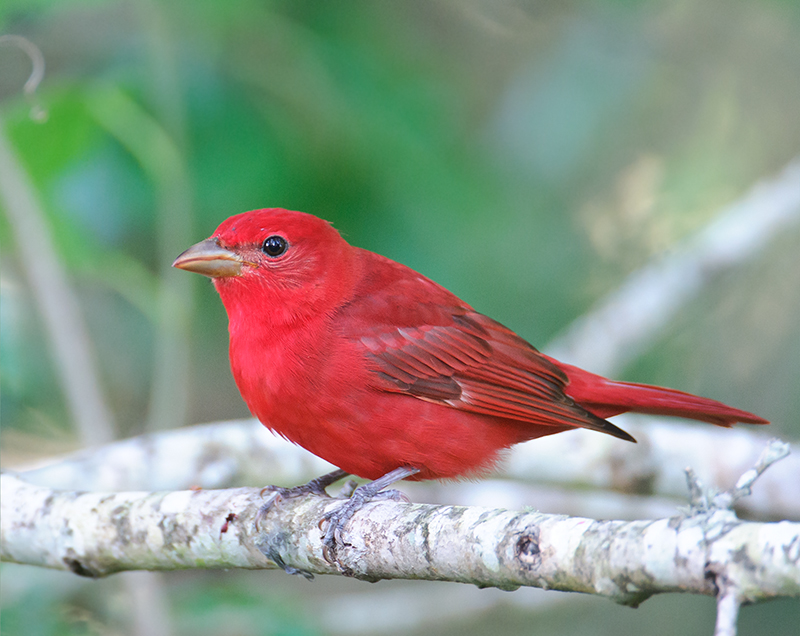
(97, 534)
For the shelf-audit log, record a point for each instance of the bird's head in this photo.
(275, 262)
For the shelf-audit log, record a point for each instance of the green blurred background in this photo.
(526, 155)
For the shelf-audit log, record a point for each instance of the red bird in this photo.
(384, 373)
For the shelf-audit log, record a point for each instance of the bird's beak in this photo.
(210, 259)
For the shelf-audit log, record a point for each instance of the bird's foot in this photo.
(315, 486)
(335, 520)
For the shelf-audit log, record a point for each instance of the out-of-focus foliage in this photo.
(526, 155)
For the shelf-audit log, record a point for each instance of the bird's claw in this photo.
(334, 521)
(277, 493)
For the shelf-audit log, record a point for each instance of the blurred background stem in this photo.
(57, 304)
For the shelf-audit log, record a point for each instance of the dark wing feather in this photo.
(477, 365)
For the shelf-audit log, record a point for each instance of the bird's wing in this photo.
(477, 365)
(447, 353)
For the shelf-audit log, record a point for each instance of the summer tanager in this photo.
(384, 373)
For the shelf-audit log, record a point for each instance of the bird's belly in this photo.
(384, 431)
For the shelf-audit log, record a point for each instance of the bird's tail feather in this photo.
(606, 398)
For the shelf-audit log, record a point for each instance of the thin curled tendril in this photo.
(36, 57)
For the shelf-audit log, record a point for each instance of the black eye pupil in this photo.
(274, 246)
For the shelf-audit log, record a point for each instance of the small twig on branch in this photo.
(703, 499)
(729, 592)
(775, 451)
(727, 613)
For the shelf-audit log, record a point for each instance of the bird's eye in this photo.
(274, 246)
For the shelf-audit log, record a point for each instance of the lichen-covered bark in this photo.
(96, 534)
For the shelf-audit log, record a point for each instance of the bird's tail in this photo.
(606, 398)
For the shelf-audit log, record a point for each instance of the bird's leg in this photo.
(337, 518)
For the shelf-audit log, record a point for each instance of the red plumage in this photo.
(372, 366)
